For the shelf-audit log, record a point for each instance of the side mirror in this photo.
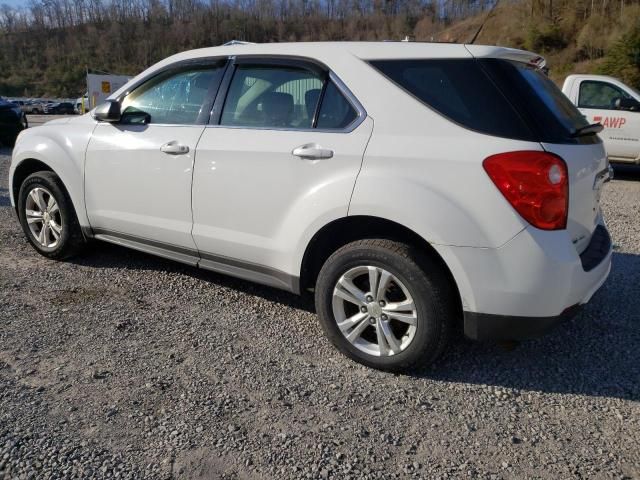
(630, 104)
(133, 116)
(108, 111)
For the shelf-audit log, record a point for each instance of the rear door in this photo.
(284, 150)
(621, 134)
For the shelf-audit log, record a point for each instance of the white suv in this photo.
(412, 187)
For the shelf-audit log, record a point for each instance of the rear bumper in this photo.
(485, 326)
(528, 285)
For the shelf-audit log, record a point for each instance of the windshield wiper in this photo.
(588, 130)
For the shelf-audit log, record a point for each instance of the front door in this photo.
(621, 135)
(284, 152)
(138, 172)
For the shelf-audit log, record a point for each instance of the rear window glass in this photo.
(547, 110)
(494, 96)
(461, 90)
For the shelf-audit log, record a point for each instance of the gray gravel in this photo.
(118, 364)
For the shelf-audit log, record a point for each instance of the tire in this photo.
(69, 240)
(10, 141)
(416, 280)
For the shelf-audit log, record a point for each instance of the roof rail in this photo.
(237, 42)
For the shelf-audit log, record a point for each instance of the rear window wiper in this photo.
(588, 130)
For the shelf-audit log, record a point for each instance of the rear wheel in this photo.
(385, 304)
(47, 216)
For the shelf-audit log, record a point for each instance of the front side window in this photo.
(175, 97)
(286, 97)
(599, 95)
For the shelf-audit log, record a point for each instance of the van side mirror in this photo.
(630, 104)
(108, 111)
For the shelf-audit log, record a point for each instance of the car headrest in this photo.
(277, 108)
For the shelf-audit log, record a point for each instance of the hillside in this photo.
(575, 37)
(47, 47)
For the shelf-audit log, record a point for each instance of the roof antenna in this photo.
(475, 37)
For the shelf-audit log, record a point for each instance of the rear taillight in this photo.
(536, 184)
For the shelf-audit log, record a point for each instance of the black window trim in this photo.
(181, 66)
(286, 61)
(615, 87)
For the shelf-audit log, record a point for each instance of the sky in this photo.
(15, 3)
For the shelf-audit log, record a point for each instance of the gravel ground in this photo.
(119, 364)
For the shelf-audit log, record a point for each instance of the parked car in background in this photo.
(12, 121)
(412, 188)
(33, 107)
(61, 108)
(615, 105)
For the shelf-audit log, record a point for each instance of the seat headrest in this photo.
(277, 108)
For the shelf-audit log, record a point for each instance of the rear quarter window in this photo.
(461, 90)
(546, 109)
(498, 97)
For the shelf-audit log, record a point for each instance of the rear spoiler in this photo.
(486, 51)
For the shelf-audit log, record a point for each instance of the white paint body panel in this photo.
(134, 188)
(240, 195)
(621, 134)
(536, 274)
(254, 200)
(61, 145)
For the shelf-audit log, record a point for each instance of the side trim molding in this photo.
(228, 266)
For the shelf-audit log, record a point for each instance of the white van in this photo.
(616, 106)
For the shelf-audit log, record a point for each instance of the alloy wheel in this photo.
(43, 217)
(374, 311)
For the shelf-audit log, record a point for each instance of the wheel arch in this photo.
(25, 168)
(49, 151)
(344, 230)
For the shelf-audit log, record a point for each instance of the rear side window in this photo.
(460, 90)
(335, 111)
(272, 97)
(285, 97)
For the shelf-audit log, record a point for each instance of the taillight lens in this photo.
(536, 184)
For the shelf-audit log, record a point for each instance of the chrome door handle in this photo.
(312, 151)
(174, 148)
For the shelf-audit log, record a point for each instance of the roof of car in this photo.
(335, 53)
(362, 50)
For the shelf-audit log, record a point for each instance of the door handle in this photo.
(312, 151)
(174, 148)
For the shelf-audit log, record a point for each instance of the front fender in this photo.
(61, 148)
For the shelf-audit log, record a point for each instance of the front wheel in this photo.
(47, 216)
(385, 304)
